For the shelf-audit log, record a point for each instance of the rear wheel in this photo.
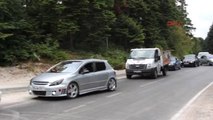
(111, 86)
(72, 90)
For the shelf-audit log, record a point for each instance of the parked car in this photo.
(175, 63)
(74, 77)
(200, 54)
(206, 60)
(190, 60)
(147, 61)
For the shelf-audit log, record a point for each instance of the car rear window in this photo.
(100, 66)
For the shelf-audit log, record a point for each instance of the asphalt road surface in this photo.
(135, 99)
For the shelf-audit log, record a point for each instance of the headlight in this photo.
(31, 81)
(149, 66)
(58, 82)
(127, 66)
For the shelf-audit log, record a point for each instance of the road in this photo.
(135, 99)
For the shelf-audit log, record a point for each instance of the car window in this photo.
(100, 66)
(88, 68)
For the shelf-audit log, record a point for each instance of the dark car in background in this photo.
(175, 63)
(190, 60)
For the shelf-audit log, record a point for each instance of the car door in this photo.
(86, 76)
(101, 75)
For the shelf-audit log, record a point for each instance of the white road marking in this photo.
(177, 115)
(109, 96)
(90, 102)
(144, 85)
(74, 108)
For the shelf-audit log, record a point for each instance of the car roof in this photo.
(190, 55)
(144, 49)
(86, 60)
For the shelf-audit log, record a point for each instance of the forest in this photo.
(54, 30)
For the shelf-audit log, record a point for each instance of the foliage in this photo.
(209, 40)
(50, 29)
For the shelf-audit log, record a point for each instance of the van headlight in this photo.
(149, 66)
(127, 66)
(57, 82)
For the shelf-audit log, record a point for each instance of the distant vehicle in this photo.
(74, 77)
(147, 62)
(190, 60)
(206, 60)
(200, 54)
(175, 64)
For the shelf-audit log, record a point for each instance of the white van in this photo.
(147, 62)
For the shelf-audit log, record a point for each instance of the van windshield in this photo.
(142, 54)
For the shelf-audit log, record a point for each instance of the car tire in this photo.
(111, 85)
(72, 90)
(128, 76)
(195, 65)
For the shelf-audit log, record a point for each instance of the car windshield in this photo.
(189, 57)
(142, 54)
(70, 66)
(173, 59)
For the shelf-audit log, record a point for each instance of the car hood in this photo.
(185, 60)
(140, 61)
(51, 77)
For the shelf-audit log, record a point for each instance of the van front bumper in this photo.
(140, 71)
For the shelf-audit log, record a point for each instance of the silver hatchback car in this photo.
(74, 77)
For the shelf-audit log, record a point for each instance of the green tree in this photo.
(209, 40)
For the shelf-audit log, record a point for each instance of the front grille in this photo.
(40, 82)
(39, 93)
(138, 66)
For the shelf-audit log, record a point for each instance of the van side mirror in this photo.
(157, 58)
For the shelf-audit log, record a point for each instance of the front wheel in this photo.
(112, 84)
(72, 90)
(155, 74)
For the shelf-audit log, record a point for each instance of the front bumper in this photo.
(140, 71)
(188, 63)
(48, 91)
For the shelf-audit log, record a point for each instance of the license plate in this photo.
(186, 63)
(38, 88)
(137, 71)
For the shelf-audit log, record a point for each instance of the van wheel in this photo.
(155, 74)
(128, 76)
